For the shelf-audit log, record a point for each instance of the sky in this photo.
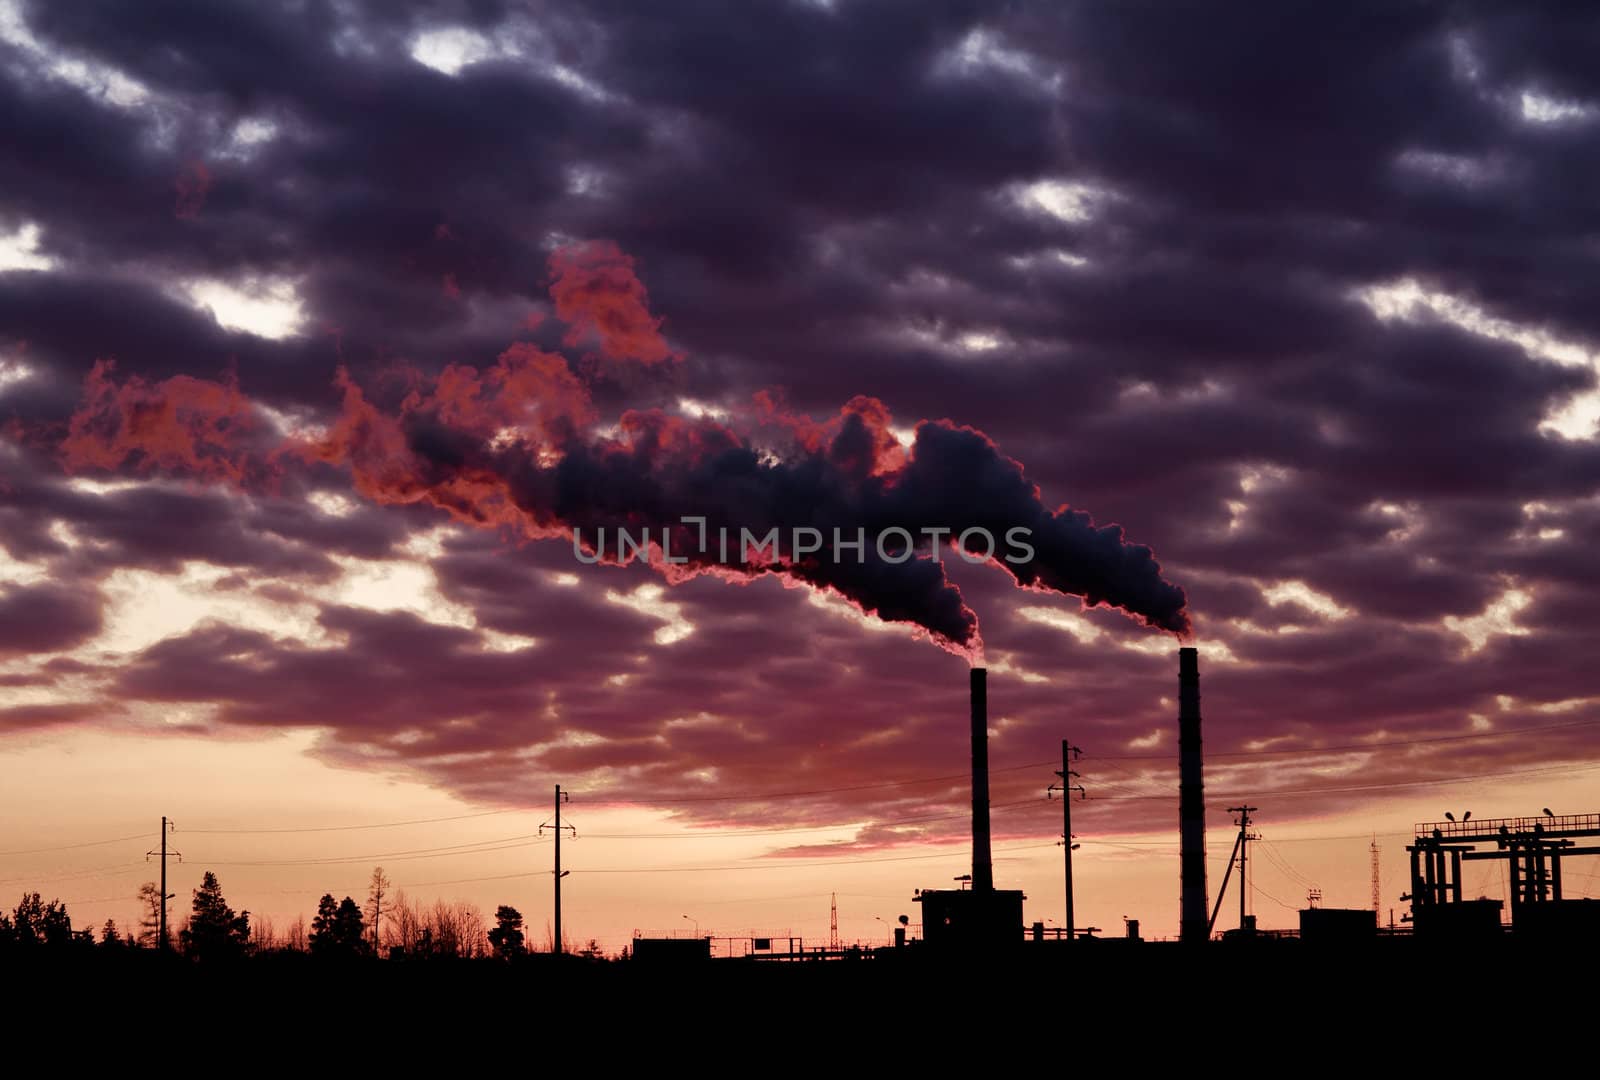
(324, 325)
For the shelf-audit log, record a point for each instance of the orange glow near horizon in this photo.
(430, 405)
(83, 787)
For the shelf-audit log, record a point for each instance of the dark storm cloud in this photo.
(69, 320)
(834, 199)
(509, 596)
(155, 527)
(45, 618)
(19, 718)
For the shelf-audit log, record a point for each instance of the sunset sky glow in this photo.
(322, 325)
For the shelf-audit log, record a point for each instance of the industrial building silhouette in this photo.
(976, 920)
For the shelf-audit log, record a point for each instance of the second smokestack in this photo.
(982, 861)
(1194, 922)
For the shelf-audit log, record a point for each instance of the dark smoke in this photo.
(955, 479)
(513, 447)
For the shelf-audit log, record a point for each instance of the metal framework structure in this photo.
(1377, 878)
(1533, 848)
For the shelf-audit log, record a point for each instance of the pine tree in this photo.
(27, 919)
(506, 937)
(338, 931)
(324, 940)
(214, 931)
(352, 932)
(33, 922)
(57, 924)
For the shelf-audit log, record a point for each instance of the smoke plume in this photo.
(518, 446)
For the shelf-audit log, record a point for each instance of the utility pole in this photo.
(1245, 836)
(163, 944)
(1069, 754)
(559, 944)
(561, 797)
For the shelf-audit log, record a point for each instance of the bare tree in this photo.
(295, 937)
(442, 928)
(377, 892)
(150, 915)
(263, 939)
(550, 939)
(452, 928)
(405, 924)
(473, 931)
(446, 928)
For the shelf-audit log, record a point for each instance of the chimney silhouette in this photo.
(982, 862)
(1194, 921)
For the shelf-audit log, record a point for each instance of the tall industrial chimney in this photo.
(1191, 801)
(982, 862)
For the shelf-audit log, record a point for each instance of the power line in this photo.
(1280, 839)
(756, 796)
(507, 843)
(787, 865)
(490, 846)
(708, 869)
(787, 830)
(100, 900)
(518, 841)
(466, 880)
(74, 847)
(795, 896)
(498, 844)
(1127, 776)
(526, 840)
(1142, 849)
(1285, 869)
(1276, 792)
(1283, 865)
(374, 825)
(1341, 836)
(116, 869)
(749, 796)
(1256, 888)
(393, 856)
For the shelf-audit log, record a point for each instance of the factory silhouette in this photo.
(976, 922)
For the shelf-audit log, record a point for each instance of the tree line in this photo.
(389, 925)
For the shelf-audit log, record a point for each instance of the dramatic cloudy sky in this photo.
(1293, 293)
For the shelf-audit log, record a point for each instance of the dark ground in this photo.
(1136, 1003)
